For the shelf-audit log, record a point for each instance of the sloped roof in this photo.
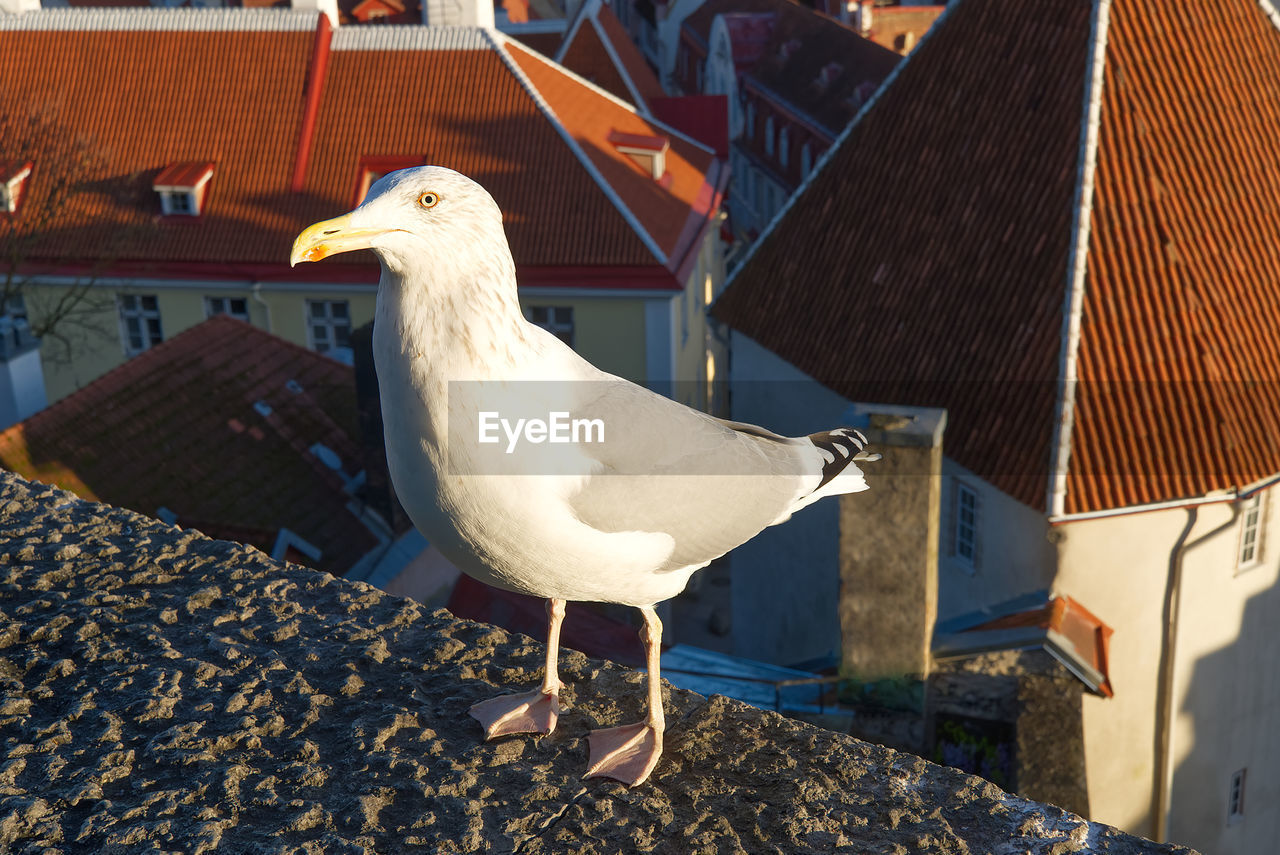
(786, 57)
(598, 48)
(958, 271)
(150, 88)
(177, 427)
(145, 88)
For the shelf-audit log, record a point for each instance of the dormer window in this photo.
(13, 181)
(181, 187)
(647, 152)
(371, 168)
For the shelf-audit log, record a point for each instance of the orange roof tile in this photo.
(460, 97)
(959, 273)
(177, 427)
(598, 48)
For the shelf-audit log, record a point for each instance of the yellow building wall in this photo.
(608, 332)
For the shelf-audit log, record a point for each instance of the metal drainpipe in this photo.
(1163, 772)
(256, 291)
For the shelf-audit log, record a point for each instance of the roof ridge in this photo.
(835, 146)
(158, 351)
(572, 31)
(1073, 302)
(180, 19)
(500, 45)
(416, 37)
(638, 100)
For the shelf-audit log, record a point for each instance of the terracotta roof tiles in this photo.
(460, 97)
(177, 427)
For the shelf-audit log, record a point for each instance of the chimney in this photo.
(458, 13)
(17, 7)
(328, 7)
(863, 16)
(21, 375)
(889, 546)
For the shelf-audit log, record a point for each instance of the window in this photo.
(236, 307)
(1250, 530)
(329, 328)
(783, 147)
(751, 119)
(557, 320)
(177, 202)
(15, 309)
(768, 135)
(964, 544)
(139, 322)
(806, 160)
(1235, 797)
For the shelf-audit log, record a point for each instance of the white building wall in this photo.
(1226, 688)
(1015, 551)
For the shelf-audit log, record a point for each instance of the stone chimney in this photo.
(328, 7)
(458, 13)
(17, 7)
(889, 545)
(21, 375)
(862, 15)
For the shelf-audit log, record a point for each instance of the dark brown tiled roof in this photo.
(800, 44)
(927, 261)
(955, 268)
(176, 427)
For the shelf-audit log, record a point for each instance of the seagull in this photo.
(473, 397)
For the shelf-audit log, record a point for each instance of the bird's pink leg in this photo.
(529, 712)
(629, 753)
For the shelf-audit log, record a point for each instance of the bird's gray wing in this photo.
(708, 483)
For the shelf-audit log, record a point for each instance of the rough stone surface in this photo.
(161, 692)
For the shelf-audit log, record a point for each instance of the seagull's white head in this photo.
(412, 216)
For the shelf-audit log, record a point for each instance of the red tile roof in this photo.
(288, 139)
(598, 48)
(183, 174)
(958, 272)
(177, 427)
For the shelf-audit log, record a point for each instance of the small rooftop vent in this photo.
(182, 187)
(13, 180)
(647, 152)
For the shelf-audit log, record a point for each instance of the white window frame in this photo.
(1236, 796)
(557, 320)
(12, 189)
(1249, 547)
(133, 307)
(332, 322)
(179, 203)
(225, 306)
(964, 533)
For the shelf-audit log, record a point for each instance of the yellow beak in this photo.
(330, 237)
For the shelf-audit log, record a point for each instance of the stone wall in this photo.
(160, 691)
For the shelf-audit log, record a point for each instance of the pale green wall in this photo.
(608, 332)
(180, 309)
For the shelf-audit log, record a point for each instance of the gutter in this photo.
(1162, 772)
(1073, 308)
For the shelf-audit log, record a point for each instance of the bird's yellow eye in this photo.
(428, 200)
